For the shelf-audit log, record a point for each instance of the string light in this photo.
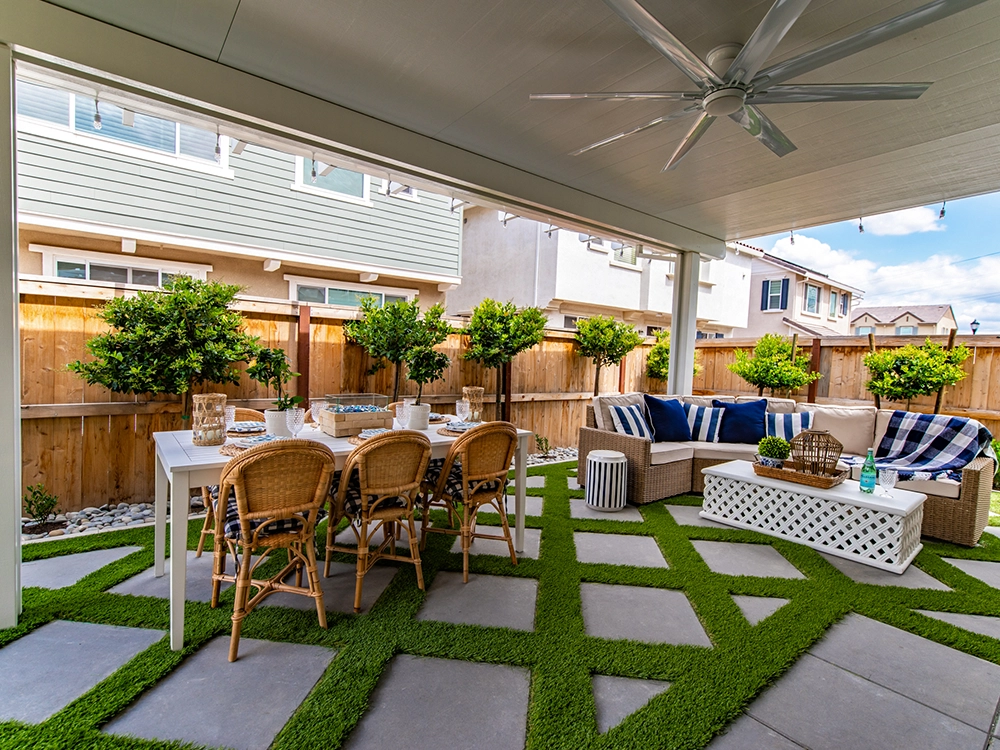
(218, 146)
(97, 114)
(792, 236)
(941, 214)
(861, 226)
(313, 174)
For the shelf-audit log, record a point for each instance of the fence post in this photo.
(940, 393)
(817, 352)
(304, 334)
(871, 348)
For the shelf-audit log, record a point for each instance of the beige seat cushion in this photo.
(667, 453)
(602, 415)
(723, 451)
(707, 400)
(940, 487)
(774, 405)
(853, 426)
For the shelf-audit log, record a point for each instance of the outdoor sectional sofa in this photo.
(954, 511)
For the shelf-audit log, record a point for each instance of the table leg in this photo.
(160, 519)
(180, 507)
(520, 480)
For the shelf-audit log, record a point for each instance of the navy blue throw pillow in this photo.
(743, 423)
(668, 420)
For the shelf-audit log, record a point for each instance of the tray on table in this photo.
(791, 473)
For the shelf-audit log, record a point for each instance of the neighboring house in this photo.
(129, 198)
(571, 276)
(787, 298)
(903, 320)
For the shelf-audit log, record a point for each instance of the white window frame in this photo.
(295, 281)
(834, 305)
(771, 295)
(805, 299)
(859, 332)
(307, 187)
(915, 330)
(393, 189)
(52, 255)
(69, 134)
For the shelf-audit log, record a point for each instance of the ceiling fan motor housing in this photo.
(723, 102)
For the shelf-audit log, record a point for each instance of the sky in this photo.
(912, 257)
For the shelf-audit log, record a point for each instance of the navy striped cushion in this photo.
(629, 420)
(787, 426)
(704, 422)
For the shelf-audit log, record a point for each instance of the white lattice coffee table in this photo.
(879, 531)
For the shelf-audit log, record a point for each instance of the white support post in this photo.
(10, 349)
(684, 324)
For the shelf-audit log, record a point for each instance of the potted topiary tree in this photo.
(423, 365)
(606, 340)
(910, 371)
(773, 451)
(168, 342)
(270, 368)
(774, 366)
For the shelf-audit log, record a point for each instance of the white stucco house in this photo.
(904, 320)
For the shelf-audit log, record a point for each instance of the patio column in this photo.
(683, 323)
(10, 348)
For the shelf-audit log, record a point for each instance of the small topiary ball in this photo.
(774, 447)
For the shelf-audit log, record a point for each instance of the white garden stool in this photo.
(606, 471)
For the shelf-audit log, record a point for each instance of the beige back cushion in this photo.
(853, 426)
(774, 405)
(602, 415)
(881, 425)
(707, 400)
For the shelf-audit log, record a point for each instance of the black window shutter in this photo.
(784, 294)
(764, 294)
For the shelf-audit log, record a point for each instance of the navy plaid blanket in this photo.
(931, 446)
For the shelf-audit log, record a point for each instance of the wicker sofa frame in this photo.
(958, 520)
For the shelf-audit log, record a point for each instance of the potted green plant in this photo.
(773, 451)
(423, 365)
(270, 368)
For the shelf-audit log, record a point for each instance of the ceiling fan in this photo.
(732, 84)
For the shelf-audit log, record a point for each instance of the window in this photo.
(833, 304)
(845, 303)
(76, 114)
(343, 294)
(623, 253)
(399, 190)
(653, 330)
(332, 182)
(811, 301)
(906, 330)
(863, 330)
(85, 265)
(569, 321)
(774, 295)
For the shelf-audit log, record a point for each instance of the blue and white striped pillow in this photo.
(787, 426)
(704, 422)
(629, 420)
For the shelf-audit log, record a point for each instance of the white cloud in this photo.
(972, 288)
(907, 221)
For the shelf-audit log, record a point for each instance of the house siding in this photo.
(257, 208)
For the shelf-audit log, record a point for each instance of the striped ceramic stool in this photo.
(606, 480)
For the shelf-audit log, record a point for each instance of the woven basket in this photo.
(208, 418)
(474, 395)
(790, 473)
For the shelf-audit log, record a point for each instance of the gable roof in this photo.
(808, 273)
(890, 313)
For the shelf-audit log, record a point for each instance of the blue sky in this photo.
(912, 257)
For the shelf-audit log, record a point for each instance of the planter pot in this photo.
(417, 416)
(773, 463)
(276, 424)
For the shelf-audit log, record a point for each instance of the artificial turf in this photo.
(709, 687)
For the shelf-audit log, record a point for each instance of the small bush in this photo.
(39, 504)
(542, 445)
(774, 447)
(774, 366)
(911, 371)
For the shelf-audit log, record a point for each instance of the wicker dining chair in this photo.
(210, 494)
(272, 495)
(392, 407)
(473, 474)
(378, 490)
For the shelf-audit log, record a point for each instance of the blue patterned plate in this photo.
(247, 428)
(462, 426)
(365, 434)
(250, 442)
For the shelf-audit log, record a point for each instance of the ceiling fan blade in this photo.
(877, 34)
(643, 23)
(670, 96)
(693, 136)
(765, 38)
(839, 92)
(651, 124)
(760, 127)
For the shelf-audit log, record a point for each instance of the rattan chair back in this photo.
(485, 453)
(388, 465)
(248, 415)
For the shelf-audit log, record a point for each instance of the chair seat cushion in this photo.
(668, 453)
(453, 485)
(281, 526)
(352, 501)
(723, 451)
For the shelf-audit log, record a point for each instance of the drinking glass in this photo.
(294, 419)
(887, 480)
(230, 417)
(402, 413)
(316, 405)
(462, 409)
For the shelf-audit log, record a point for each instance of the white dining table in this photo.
(181, 466)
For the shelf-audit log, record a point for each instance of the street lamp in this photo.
(974, 325)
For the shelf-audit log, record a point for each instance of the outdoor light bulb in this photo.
(941, 215)
(218, 148)
(792, 237)
(97, 116)
(861, 227)
(314, 171)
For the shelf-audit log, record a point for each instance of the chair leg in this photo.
(239, 607)
(330, 525)
(425, 510)
(218, 568)
(506, 532)
(207, 527)
(415, 552)
(362, 565)
(466, 542)
(298, 569)
(312, 572)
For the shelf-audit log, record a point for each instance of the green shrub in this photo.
(658, 361)
(606, 340)
(910, 371)
(39, 504)
(542, 445)
(774, 447)
(772, 366)
(425, 365)
(270, 368)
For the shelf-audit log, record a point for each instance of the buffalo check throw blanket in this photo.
(930, 446)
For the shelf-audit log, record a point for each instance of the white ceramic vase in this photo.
(417, 416)
(276, 423)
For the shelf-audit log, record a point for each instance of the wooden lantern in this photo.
(816, 452)
(208, 418)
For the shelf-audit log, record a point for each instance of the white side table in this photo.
(606, 485)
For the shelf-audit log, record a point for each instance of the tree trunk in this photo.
(420, 392)
(186, 407)
(597, 381)
(760, 391)
(397, 371)
(499, 411)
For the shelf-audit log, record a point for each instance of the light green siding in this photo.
(257, 208)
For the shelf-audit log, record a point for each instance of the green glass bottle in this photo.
(868, 473)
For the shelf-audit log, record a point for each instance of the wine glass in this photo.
(462, 409)
(402, 413)
(230, 417)
(316, 405)
(294, 419)
(887, 480)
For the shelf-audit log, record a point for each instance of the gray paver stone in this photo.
(757, 608)
(532, 542)
(987, 572)
(618, 549)
(738, 559)
(687, 515)
(198, 578)
(640, 614)
(619, 697)
(578, 508)
(912, 578)
(746, 733)
(989, 626)
(532, 506)
(493, 601)
(66, 570)
(338, 589)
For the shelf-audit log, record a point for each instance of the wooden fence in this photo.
(90, 446)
